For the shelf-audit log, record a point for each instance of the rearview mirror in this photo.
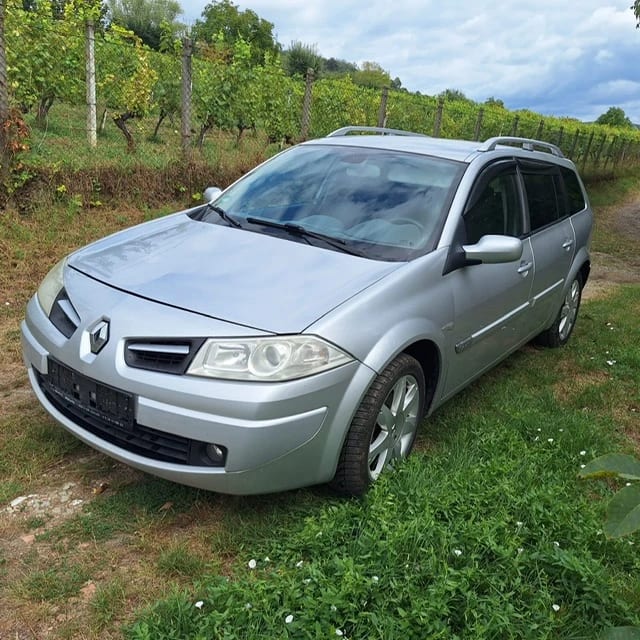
(493, 249)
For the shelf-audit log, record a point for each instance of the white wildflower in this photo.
(555, 607)
(248, 606)
(333, 607)
(457, 552)
(339, 632)
(611, 362)
(556, 544)
(583, 453)
(520, 550)
(199, 604)
(519, 524)
(252, 563)
(549, 440)
(288, 619)
(299, 563)
(582, 466)
(375, 578)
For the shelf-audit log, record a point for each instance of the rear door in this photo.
(552, 238)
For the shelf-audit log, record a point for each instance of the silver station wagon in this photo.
(298, 327)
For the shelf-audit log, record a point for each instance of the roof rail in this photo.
(528, 144)
(382, 130)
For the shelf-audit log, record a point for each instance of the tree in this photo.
(371, 74)
(635, 7)
(494, 102)
(453, 95)
(127, 78)
(147, 18)
(615, 117)
(300, 57)
(44, 54)
(167, 96)
(225, 19)
(335, 66)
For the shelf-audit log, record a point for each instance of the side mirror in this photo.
(492, 249)
(211, 193)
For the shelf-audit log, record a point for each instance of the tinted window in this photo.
(544, 198)
(496, 211)
(574, 192)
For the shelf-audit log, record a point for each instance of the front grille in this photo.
(163, 355)
(109, 414)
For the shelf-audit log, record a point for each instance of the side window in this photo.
(496, 211)
(574, 192)
(544, 197)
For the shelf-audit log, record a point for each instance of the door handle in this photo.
(567, 244)
(525, 267)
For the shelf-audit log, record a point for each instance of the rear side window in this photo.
(575, 196)
(544, 198)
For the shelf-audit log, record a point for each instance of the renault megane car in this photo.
(298, 327)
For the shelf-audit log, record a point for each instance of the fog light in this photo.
(216, 453)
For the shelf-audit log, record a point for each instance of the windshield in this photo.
(386, 205)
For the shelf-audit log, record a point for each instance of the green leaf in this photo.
(623, 512)
(613, 464)
(621, 633)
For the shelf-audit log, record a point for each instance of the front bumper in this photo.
(278, 436)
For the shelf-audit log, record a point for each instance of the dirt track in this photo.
(608, 270)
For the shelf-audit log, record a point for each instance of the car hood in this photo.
(259, 281)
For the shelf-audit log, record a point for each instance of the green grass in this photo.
(108, 602)
(49, 147)
(478, 535)
(493, 476)
(56, 583)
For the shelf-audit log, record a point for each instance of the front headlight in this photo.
(266, 359)
(51, 285)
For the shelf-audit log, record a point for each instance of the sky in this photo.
(571, 58)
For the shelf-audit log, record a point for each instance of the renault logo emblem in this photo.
(99, 336)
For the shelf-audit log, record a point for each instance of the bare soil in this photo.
(607, 271)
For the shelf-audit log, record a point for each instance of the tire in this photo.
(558, 334)
(383, 428)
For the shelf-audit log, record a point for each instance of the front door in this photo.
(491, 300)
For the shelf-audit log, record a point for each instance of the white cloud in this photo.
(545, 55)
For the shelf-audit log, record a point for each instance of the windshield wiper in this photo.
(224, 215)
(299, 230)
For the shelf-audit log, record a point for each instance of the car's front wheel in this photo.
(384, 427)
(558, 334)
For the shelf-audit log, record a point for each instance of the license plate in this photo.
(79, 392)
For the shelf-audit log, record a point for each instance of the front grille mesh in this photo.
(166, 356)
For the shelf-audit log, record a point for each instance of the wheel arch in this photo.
(585, 270)
(428, 355)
